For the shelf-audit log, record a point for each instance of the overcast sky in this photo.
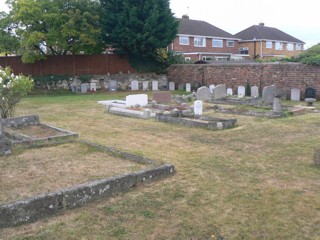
(297, 18)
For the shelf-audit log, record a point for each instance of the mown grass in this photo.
(256, 181)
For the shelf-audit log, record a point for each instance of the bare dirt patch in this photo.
(49, 169)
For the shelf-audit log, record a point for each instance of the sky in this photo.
(296, 18)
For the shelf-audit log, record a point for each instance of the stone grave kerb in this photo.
(5, 144)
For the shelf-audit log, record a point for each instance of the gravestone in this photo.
(134, 85)
(211, 87)
(171, 86)
(295, 94)
(198, 107)
(203, 93)
(137, 99)
(220, 91)
(155, 85)
(241, 91)
(268, 93)
(162, 97)
(145, 85)
(229, 91)
(254, 91)
(277, 104)
(181, 87)
(93, 87)
(113, 85)
(188, 87)
(84, 88)
(5, 144)
(310, 93)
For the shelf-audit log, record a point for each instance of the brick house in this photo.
(199, 40)
(264, 42)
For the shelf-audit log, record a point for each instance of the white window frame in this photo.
(187, 59)
(219, 41)
(289, 46)
(299, 46)
(199, 41)
(184, 40)
(221, 59)
(279, 46)
(269, 44)
(208, 58)
(230, 43)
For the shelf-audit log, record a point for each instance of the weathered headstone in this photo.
(203, 93)
(84, 88)
(5, 144)
(211, 87)
(220, 91)
(134, 85)
(198, 107)
(181, 87)
(137, 99)
(268, 93)
(162, 97)
(145, 85)
(254, 91)
(188, 87)
(310, 93)
(277, 104)
(229, 91)
(93, 87)
(113, 85)
(171, 86)
(155, 85)
(295, 94)
(241, 91)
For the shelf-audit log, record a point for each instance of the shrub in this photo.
(12, 89)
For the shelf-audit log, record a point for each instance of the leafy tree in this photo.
(8, 42)
(55, 27)
(138, 26)
(310, 56)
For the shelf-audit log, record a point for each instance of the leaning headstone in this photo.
(229, 91)
(254, 91)
(93, 87)
(171, 86)
(203, 93)
(188, 87)
(220, 91)
(310, 93)
(198, 107)
(145, 85)
(181, 87)
(277, 104)
(155, 85)
(268, 93)
(295, 94)
(113, 85)
(134, 85)
(211, 87)
(84, 88)
(162, 97)
(137, 99)
(241, 91)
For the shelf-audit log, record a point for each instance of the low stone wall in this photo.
(21, 121)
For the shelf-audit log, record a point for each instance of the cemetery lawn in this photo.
(257, 181)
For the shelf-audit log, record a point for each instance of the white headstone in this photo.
(220, 91)
(188, 87)
(241, 91)
(137, 99)
(155, 85)
(93, 87)
(198, 107)
(211, 87)
(134, 85)
(254, 91)
(229, 91)
(84, 87)
(171, 86)
(295, 94)
(145, 85)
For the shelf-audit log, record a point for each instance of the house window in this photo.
(230, 43)
(218, 43)
(244, 50)
(183, 40)
(207, 58)
(279, 46)
(187, 59)
(221, 59)
(199, 42)
(290, 46)
(298, 46)
(268, 44)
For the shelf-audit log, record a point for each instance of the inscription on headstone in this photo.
(198, 107)
(134, 85)
(295, 94)
(254, 91)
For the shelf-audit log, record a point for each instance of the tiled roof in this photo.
(261, 32)
(201, 28)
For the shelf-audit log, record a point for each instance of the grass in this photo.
(256, 181)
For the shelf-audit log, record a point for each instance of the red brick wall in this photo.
(285, 75)
(70, 65)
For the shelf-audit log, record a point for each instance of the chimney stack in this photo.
(261, 24)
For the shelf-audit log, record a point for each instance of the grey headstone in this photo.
(181, 87)
(241, 91)
(268, 93)
(295, 94)
(171, 86)
(310, 93)
(254, 91)
(145, 85)
(113, 85)
(84, 88)
(134, 85)
(198, 107)
(155, 85)
(229, 91)
(277, 104)
(188, 87)
(203, 93)
(220, 91)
